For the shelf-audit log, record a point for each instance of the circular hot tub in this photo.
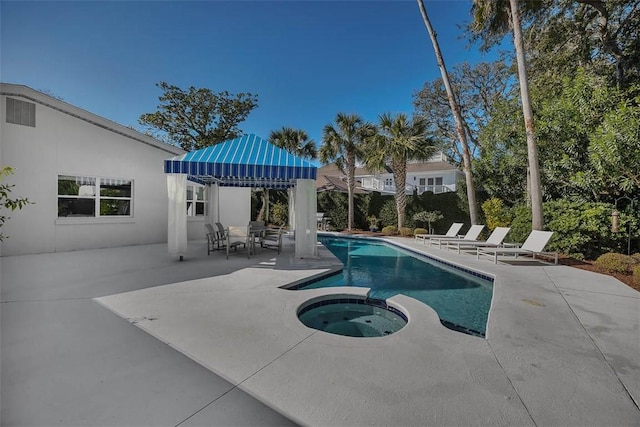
(352, 317)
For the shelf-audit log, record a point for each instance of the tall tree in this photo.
(295, 141)
(496, 17)
(397, 141)
(459, 120)
(199, 117)
(479, 89)
(342, 143)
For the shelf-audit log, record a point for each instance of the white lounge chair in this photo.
(471, 236)
(494, 240)
(533, 246)
(453, 232)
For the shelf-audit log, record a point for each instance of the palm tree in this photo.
(295, 141)
(398, 140)
(496, 17)
(457, 117)
(343, 144)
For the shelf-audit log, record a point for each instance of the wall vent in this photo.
(21, 112)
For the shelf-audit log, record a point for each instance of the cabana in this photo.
(247, 161)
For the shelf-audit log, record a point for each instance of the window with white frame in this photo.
(90, 196)
(388, 182)
(434, 181)
(196, 201)
(422, 181)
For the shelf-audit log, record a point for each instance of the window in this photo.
(196, 201)
(388, 182)
(21, 112)
(422, 181)
(89, 196)
(434, 181)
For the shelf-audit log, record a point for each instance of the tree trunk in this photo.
(400, 178)
(263, 215)
(537, 221)
(457, 116)
(351, 185)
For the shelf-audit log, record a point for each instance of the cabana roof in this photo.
(247, 161)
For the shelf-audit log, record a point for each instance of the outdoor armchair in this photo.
(471, 236)
(533, 246)
(494, 240)
(453, 232)
(215, 241)
(234, 237)
(273, 239)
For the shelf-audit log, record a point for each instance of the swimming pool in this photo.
(462, 300)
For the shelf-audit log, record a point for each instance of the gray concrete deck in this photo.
(562, 346)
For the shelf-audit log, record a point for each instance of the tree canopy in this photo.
(198, 117)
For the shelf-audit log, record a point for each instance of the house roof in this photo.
(335, 183)
(247, 161)
(22, 91)
(433, 166)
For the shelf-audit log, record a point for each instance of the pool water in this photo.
(461, 300)
(352, 317)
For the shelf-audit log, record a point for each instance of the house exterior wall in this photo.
(63, 144)
(235, 206)
(379, 183)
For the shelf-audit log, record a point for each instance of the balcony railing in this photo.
(377, 185)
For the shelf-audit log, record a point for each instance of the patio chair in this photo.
(273, 239)
(471, 236)
(494, 240)
(215, 241)
(234, 237)
(257, 231)
(533, 246)
(453, 231)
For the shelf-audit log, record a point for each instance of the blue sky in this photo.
(305, 60)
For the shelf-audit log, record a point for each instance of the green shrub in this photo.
(406, 231)
(389, 230)
(581, 229)
(636, 274)
(496, 215)
(279, 213)
(618, 263)
(388, 214)
(419, 231)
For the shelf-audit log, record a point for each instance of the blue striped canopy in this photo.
(247, 161)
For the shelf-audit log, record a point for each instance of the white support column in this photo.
(214, 203)
(305, 218)
(177, 215)
(292, 208)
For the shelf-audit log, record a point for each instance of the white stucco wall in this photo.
(235, 206)
(61, 144)
(235, 210)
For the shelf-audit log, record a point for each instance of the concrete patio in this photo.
(214, 342)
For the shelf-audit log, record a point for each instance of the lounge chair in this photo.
(215, 241)
(453, 231)
(273, 239)
(471, 236)
(494, 240)
(533, 246)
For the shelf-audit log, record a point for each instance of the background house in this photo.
(437, 175)
(93, 183)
